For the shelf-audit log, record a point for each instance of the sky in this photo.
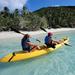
(33, 5)
(12, 4)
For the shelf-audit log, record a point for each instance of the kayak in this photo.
(20, 55)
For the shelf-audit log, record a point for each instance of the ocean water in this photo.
(59, 62)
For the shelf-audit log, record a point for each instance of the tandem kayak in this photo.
(16, 56)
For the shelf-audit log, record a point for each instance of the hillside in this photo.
(63, 16)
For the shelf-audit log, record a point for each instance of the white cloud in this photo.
(12, 4)
(57, 5)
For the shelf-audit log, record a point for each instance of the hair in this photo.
(26, 36)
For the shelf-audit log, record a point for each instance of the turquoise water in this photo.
(59, 62)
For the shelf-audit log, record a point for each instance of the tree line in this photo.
(50, 17)
(57, 17)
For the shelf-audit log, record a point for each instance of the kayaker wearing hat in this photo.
(27, 45)
(49, 41)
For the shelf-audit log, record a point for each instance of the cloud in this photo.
(56, 5)
(12, 4)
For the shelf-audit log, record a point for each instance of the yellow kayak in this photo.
(16, 56)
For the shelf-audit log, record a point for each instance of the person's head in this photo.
(50, 33)
(26, 36)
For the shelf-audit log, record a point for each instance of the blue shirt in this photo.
(24, 43)
(48, 39)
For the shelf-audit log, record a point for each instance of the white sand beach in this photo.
(11, 34)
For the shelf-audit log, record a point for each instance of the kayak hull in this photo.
(20, 55)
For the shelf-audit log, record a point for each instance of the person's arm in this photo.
(31, 44)
(56, 41)
(34, 46)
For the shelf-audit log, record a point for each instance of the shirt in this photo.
(24, 42)
(48, 39)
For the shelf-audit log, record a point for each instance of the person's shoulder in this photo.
(46, 35)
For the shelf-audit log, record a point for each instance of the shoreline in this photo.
(12, 34)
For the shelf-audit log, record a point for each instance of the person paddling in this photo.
(49, 41)
(27, 45)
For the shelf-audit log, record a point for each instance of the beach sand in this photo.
(12, 34)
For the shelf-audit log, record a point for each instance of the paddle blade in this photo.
(67, 44)
(43, 29)
(15, 30)
(38, 40)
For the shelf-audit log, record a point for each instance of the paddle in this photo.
(43, 29)
(68, 44)
(13, 54)
(47, 32)
(17, 31)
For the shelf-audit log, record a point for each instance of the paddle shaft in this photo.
(17, 31)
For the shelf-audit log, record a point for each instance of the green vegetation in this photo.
(50, 17)
(57, 17)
